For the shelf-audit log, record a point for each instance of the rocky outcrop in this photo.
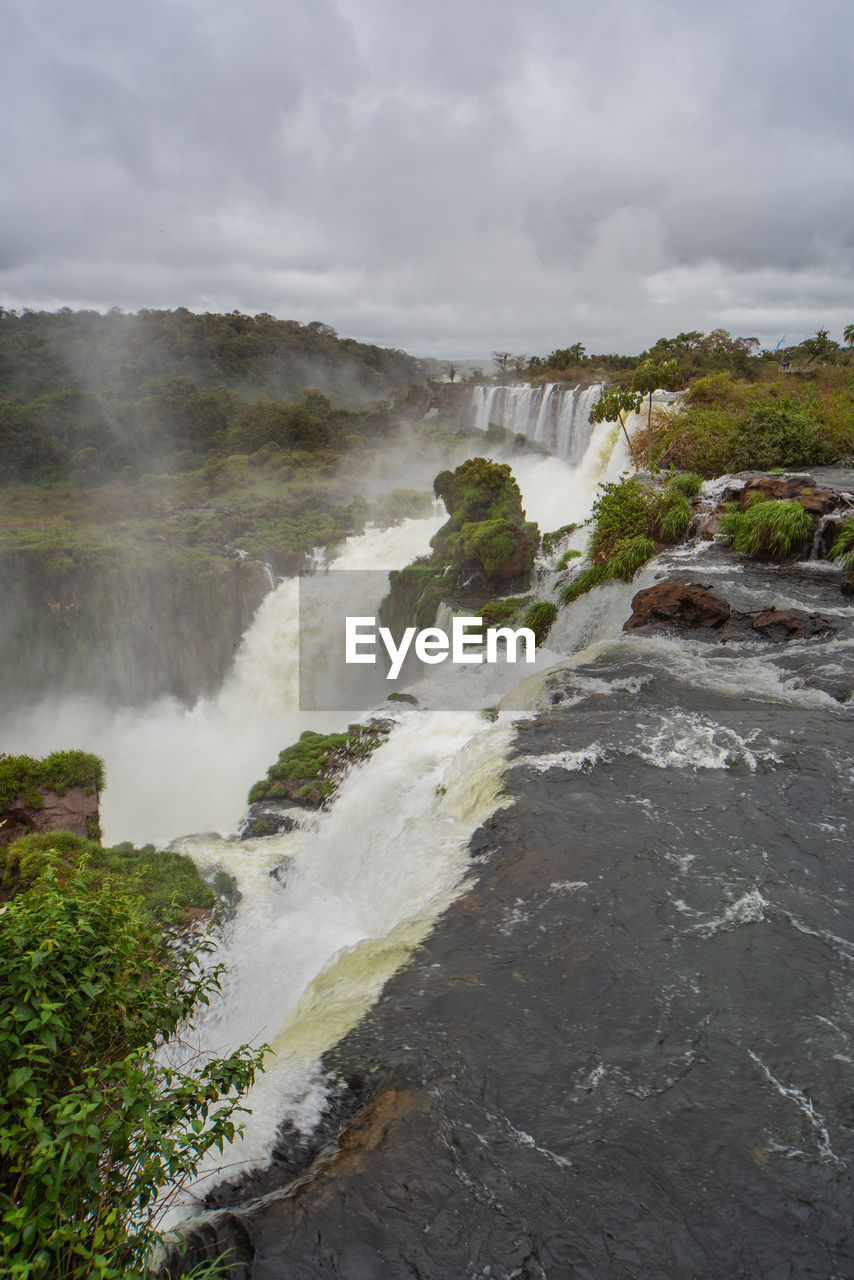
(307, 774)
(58, 793)
(678, 604)
(75, 811)
(691, 606)
(792, 624)
(812, 497)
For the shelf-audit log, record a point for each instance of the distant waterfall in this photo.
(553, 415)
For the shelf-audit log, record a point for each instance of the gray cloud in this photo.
(447, 179)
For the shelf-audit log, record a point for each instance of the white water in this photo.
(553, 415)
(365, 881)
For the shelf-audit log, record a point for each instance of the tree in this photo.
(651, 376)
(501, 359)
(450, 371)
(611, 406)
(848, 334)
(95, 1117)
(820, 346)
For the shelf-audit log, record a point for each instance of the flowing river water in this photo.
(577, 982)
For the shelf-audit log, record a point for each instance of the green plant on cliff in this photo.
(315, 762)
(24, 778)
(486, 522)
(767, 526)
(101, 1108)
(540, 617)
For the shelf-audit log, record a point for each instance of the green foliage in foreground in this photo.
(843, 548)
(94, 1118)
(168, 883)
(769, 527)
(24, 778)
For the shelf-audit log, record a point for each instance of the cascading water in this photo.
(554, 415)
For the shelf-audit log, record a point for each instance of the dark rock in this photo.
(846, 586)
(792, 624)
(677, 604)
(403, 697)
(266, 819)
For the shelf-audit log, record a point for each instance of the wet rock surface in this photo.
(626, 1052)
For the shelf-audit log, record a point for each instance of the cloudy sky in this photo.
(448, 178)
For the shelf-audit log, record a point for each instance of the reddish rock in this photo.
(814, 499)
(76, 811)
(792, 624)
(677, 604)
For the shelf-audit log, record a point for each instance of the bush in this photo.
(674, 517)
(628, 556)
(584, 581)
(540, 618)
(93, 1122)
(687, 483)
(843, 548)
(767, 526)
(565, 559)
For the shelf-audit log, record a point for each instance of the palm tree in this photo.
(848, 334)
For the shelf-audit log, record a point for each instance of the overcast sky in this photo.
(447, 178)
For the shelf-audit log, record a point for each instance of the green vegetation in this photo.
(309, 771)
(610, 407)
(93, 1123)
(24, 779)
(503, 612)
(84, 395)
(767, 526)
(552, 540)
(729, 425)
(585, 581)
(167, 883)
(486, 536)
(843, 548)
(540, 617)
(629, 518)
(567, 556)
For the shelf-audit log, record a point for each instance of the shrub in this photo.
(674, 517)
(540, 618)
(687, 483)
(168, 883)
(843, 548)
(553, 539)
(95, 1121)
(767, 526)
(584, 581)
(628, 556)
(568, 555)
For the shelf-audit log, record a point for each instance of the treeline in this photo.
(86, 396)
(696, 354)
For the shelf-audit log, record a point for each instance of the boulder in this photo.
(792, 624)
(678, 604)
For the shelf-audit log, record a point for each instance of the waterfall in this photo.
(554, 414)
